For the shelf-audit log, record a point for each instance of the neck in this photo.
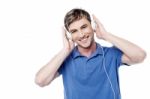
(87, 51)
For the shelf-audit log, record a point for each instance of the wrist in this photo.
(106, 36)
(65, 52)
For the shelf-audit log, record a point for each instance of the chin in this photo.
(85, 46)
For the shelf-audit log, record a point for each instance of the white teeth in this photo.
(84, 39)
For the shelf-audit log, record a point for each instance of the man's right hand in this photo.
(67, 42)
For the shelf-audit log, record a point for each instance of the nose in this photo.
(81, 34)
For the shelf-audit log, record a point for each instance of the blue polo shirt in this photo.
(86, 78)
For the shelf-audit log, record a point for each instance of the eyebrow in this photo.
(83, 25)
(73, 30)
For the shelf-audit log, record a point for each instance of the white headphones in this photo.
(94, 26)
(93, 23)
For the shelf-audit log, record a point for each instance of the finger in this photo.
(63, 31)
(96, 20)
(64, 35)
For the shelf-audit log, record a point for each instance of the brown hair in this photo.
(74, 15)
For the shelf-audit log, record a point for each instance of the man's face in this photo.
(82, 33)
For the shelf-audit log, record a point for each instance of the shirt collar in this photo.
(99, 51)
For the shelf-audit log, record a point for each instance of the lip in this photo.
(84, 39)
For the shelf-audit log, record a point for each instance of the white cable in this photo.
(107, 74)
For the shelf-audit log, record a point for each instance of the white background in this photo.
(30, 35)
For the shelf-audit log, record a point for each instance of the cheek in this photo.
(88, 31)
(74, 37)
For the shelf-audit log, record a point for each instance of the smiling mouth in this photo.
(84, 39)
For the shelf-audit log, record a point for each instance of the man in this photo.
(89, 70)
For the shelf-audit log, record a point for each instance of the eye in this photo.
(84, 26)
(73, 31)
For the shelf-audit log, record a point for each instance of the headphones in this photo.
(104, 66)
(93, 23)
(94, 26)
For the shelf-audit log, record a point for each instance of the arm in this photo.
(50, 71)
(132, 53)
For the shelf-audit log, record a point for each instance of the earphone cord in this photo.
(108, 75)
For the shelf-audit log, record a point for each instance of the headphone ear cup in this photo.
(93, 25)
(69, 35)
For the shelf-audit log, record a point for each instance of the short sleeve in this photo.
(116, 55)
(61, 68)
(64, 65)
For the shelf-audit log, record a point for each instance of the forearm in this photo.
(131, 50)
(132, 53)
(47, 73)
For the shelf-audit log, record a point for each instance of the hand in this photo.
(67, 42)
(100, 31)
